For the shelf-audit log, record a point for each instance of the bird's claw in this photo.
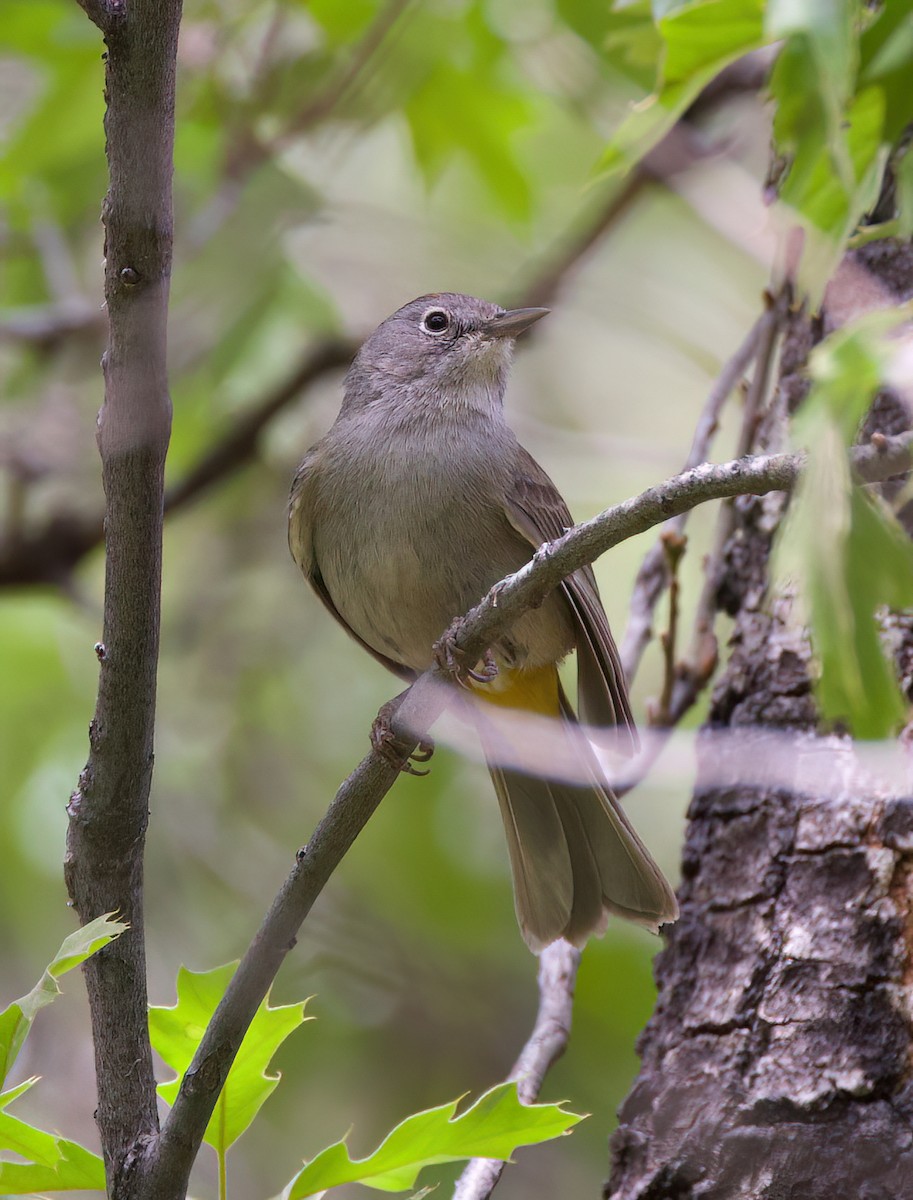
(386, 744)
(452, 660)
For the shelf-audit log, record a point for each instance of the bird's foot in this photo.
(386, 743)
(448, 656)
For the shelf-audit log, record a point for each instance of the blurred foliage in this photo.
(331, 162)
(846, 548)
(840, 89)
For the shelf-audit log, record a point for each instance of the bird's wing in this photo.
(301, 543)
(536, 510)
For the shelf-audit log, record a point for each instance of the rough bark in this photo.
(109, 809)
(778, 1060)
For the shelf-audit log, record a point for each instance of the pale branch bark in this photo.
(109, 809)
(104, 13)
(419, 707)
(557, 977)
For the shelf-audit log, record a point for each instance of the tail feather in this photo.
(575, 857)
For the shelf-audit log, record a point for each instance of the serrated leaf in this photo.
(54, 1164)
(176, 1033)
(492, 1128)
(16, 1019)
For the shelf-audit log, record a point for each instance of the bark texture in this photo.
(778, 1061)
(109, 809)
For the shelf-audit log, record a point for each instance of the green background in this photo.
(458, 159)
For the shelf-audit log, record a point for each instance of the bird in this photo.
(413, 505)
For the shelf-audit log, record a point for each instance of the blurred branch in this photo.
(239, 444)
(51, 553)
(45, 324)
(108, 811)
(557, 976)
(363, 790)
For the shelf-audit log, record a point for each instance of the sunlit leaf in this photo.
(492, 1128)
(698, 39)
(16, 1019)
(53, 1164)
(176, 1033)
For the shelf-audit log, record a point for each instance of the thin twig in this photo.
(653, 576)
(557, 976)
(673, 545)
(694, 674)
(363, 790)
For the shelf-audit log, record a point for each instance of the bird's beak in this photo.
(509, 324)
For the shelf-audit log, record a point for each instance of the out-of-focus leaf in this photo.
(886, 58)
(490, 114)
(53, 1164)
(699, 39)
(848, 551)
(16, 1019)
(492, 1128)
(176, 1033)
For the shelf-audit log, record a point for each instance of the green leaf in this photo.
(54, 1164)
(698, 39)
(849, 553)
(176, 1033)
(492, 1128)
(886, 58)
(16, 1020)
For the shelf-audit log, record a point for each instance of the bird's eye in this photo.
(435, 320)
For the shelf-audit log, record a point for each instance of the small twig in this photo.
(674, 547)
(653, 577)
(363, 790)
(698, 669)
(557, 976)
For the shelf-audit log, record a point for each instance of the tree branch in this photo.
(363, 790)
(109, 809)
(557, 976)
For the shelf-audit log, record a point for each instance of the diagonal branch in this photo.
(363, 790)
(558, 965)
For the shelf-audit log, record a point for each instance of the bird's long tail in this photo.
(574, 855)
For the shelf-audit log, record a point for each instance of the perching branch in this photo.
(109, 809)
(558, 965)
(363, 790)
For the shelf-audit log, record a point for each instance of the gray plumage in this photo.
(418, 500)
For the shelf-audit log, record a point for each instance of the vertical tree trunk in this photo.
(778, 1060)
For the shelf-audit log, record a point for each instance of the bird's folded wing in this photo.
(535, 508)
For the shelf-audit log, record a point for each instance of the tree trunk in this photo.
(778, 1060)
